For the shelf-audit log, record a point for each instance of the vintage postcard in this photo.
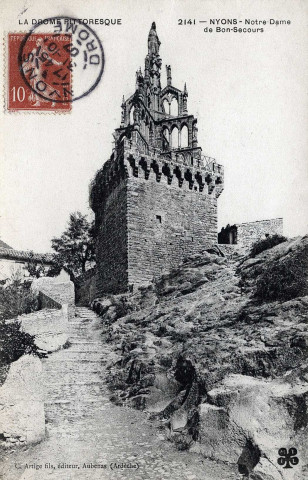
(154, 240)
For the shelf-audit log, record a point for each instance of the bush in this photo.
(268, 242)
(284, 279)
(16, 298)
(14, 342)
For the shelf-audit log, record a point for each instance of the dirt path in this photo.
(84, 428)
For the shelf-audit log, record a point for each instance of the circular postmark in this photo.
(61, 59)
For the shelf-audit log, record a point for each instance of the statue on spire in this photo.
(153, 40)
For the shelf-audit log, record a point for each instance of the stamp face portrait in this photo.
(47, 67)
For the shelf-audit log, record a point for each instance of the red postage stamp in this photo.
(39, 72)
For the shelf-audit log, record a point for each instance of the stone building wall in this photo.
(250, 232)
(165, 223)
(246, 234)
(112, 242)
(147, 227)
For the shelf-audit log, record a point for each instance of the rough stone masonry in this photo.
(155, 199)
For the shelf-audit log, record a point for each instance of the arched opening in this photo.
(184, 136)
(131, 116)
(166, 106)
(175, 137)
(174, 107)
(165, 139)
(146, 133)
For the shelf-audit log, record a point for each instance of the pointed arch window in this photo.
(184, 136)
(166, 106)
(175, 137)
(131, 116)
(174, 107)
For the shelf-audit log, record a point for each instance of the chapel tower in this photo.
(155, 199)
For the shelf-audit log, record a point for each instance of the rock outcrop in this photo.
(200, 346)
(22, 418)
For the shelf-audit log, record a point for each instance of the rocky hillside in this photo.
(217, 351)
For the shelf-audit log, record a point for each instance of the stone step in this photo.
(69, 377)
(72, 368)
(75, 392)
(69, 354)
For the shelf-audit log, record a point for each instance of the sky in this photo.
(248, 91)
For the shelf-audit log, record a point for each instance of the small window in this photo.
(158, 218)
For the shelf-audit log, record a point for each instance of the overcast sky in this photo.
(248, 91)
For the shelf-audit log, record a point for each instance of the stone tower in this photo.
(155, 199)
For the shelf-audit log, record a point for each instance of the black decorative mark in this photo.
(287, 458)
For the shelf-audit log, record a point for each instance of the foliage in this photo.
(76, 246)
(36, 268)
(16, 298)
(14, 342)
(266, 243)
(284, 279)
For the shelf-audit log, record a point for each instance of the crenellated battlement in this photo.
(180, 167)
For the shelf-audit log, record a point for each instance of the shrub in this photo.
(14, 342)
(268, 242)
(16, 298)
(284, 279)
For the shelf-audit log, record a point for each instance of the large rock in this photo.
(22, 418)
(49, 326)
(249, 420)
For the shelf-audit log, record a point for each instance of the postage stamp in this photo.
(59, 61)
(47, 68)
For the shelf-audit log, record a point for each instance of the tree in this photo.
(35, 268)
(76, 246)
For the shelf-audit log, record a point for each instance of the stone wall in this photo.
(250, 232)
(22, 418)
(61, 292)
(246, 234)
(50, 327)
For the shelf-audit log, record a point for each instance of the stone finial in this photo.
(185, 95)
(169, 77)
